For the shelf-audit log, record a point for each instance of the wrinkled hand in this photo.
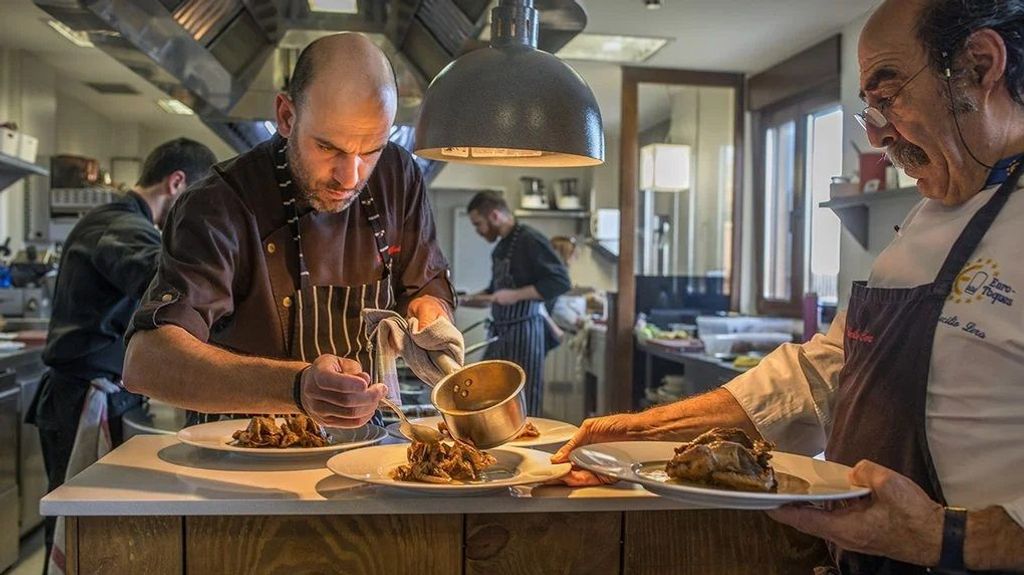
(898, 520)
(619, 427)
(336, 392)
(505, 297)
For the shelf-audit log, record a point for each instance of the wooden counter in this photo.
(155, 506)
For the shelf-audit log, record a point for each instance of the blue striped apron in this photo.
(520, 329)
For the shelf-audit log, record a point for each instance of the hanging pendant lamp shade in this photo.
(511, 104)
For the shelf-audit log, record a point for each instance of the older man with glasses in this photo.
(920, 385)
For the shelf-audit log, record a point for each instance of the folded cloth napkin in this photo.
(394, 337)
(92, 441)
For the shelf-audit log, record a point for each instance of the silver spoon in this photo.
(414, 431)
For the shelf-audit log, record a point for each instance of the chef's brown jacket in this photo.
(229, 266)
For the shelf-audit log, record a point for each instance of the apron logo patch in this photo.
(979, 281)
(859, 335)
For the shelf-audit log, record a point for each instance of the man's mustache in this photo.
(906, 155)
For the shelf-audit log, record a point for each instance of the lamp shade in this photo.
(510, 104)
(665, 167)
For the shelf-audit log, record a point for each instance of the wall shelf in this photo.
(553, 214)
(854, 211)
(13, 169)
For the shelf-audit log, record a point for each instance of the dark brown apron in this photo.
(326, 319)
(880, 411)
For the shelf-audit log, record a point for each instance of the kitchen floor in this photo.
(30, 561)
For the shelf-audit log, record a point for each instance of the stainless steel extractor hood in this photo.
(226, 59)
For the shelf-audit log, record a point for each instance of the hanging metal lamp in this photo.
(511, 104)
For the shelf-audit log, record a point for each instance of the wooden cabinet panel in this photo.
(354, 545)
(532, 543)
(128, 545)
(714, 541)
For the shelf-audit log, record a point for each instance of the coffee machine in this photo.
(533, 196)
(27, 282)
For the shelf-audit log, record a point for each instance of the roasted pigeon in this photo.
(725, 457)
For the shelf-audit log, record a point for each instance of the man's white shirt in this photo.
(975, 397)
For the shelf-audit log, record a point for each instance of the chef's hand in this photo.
(336, 392)
(898, 520)
(426, 309)
(619, 427)
(505, 296)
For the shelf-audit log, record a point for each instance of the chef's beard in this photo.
(313, 192)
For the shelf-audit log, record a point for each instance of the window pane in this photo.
(825, 159)
(780, 152)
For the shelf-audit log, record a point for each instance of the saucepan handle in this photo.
(446, 362)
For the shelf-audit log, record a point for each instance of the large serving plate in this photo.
(515, 466)
(217, 436)
(551, 431)
(801, 479)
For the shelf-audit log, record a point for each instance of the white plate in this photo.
(217, 436)
(515, 466)
(551, 431)
(801, 479)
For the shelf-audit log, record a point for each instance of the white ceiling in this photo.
(728, 35)
(725, 35)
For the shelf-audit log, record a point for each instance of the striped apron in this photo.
(520, 329)
(326, 319)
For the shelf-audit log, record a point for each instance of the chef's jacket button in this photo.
(271, 248)
(166, 297)
(287, 301)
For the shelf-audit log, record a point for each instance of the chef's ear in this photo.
(285, 109)
(986, 58)
(176, 182)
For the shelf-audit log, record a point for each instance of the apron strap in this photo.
(289, 196)
(379, 236)
(976, 228)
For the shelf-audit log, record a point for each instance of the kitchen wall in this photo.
(28, 96)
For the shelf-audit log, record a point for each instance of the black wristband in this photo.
(297, 390)
(954, 527)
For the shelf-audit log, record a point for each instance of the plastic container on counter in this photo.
(742, 343)
(715, 325)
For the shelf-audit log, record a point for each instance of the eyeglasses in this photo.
(874, 116)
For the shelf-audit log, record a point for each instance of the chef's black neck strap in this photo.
(289, 200)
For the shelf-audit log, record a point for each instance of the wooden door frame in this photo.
(619, 359)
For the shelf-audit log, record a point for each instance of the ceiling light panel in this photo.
(612, 48)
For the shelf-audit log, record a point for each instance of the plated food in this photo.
(725, 457)
(295, 431)
(443, 462)
(512, 466)
(277, 437)
(647, 463)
